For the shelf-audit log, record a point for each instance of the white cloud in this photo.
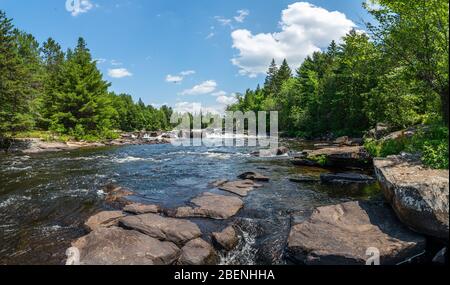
(100, 60)
(210, 35)
(242, 14)
(305, 28)
(226, 100)
(219, 93)
(180, 77)
(206, 87)
(115, 62)
(76, 7)
(119, 73)
(197, 108)
(224, 21)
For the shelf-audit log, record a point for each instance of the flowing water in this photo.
(45, 198)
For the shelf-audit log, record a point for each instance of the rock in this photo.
(346, 156)
(418, 195)
(212, 206)
(104, 220)
(441, 257)
(343, 141)
(198, 252)
(255, 176)
(379, 131)
(346, 178)
(139, 209)
(343, 234)
(271, 152)
(219, 183)
(304, 179)
(305, 162)
(166, 229)
(226, 239)
(241, 188)
(115, 195)
(116, 246)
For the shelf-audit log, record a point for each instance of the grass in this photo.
(431, 143)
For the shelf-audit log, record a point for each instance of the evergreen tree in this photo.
(270, 85)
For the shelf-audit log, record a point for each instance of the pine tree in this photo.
(15, 85)
(83, 107)
(270, 85)
(283, 74)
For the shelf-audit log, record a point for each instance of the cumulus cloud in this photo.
(119, 73)
(242, 14)
(180, 77)
(206, 87)
(305, 28)
(197, 108)
(76, 7)
(226, 100)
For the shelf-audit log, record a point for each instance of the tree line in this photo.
(395, 73)
(44, 88)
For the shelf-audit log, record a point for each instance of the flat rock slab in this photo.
(139, 209)
(104, 220)
(418, 195)
(345, 178)
(241, 187)
(342, 234)
(116, 246)
(211, 206)
(346, 156)
(255, 176)
(168, 229)
(198, 252)
(226, 239)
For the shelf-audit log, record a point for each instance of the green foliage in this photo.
(320, 159)
(53, 95)
(431, 143)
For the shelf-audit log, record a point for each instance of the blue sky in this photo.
(189, 52)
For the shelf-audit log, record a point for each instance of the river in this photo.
(45, 198)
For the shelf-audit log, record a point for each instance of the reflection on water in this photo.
(45, 198)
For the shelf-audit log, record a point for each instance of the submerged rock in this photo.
(304, 179)
(139, 209)
(116, 246)
(271, 152)
(344, 234)
(212, 206)
(255, 176)
(241, 187)
(219, 183)
(116, 195)
(104, 220)
(441, 257)
(226, 239)
(198, 252)
(168, 229)
(418, 195)
(346, 178)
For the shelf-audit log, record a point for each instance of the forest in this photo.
(62, 94)
(395, 73)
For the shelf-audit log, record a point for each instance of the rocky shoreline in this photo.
(36, 145)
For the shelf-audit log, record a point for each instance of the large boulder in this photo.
(116, 246)
(198, 252)
(211, 206)
(162, 228)
(226, 239)
(419, 195)
(346, 178)
(271, 152)
(116, 195)
(344, 234)
(104, 220)
(346, 156)
(241, 187)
